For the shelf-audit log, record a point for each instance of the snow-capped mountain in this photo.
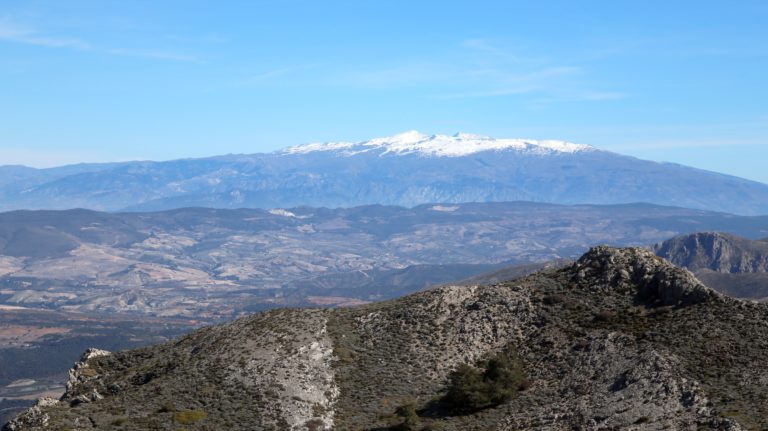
(458, 145)
(407, 169)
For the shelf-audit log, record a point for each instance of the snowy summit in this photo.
(460, 144)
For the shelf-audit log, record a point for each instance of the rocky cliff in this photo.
(719, 252)
(728, 263)
(620, 339)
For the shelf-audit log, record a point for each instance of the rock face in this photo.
(728, 263)
(80, 375)
(652, 279)
(620, 339)
(719, 252)
(34, 418)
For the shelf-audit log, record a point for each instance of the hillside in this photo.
(214, 263)
(731, 264)
(618, 340)
(38, 346)
(406, 170)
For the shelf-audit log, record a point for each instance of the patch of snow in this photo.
(444, 208)
(458, 145)
(5, 307)
(318, 146)
(281, 212)
(176, 187)
(21, 382)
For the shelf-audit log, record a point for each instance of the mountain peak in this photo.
(457, 145)
(407, 137)
(654, 279)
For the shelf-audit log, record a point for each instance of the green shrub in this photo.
(498, 380)
(466, 388)
(89, 372)
(187, 417)
(120, 421)
(553, 299)
(411, 421)
(433, 425)
(605, 316)
(167, 408)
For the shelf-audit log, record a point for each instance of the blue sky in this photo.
(680, 81)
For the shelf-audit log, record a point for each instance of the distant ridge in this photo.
(216, 263)
(729, 263)
(407, 169)
(716, 251)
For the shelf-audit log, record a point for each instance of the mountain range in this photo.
(620, 339)
(408, 169)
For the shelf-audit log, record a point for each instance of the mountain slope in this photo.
(729, 263)
(620, 339)
(407, 169)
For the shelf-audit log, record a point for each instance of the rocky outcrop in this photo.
(719, 252)
(295, 374)
(82, 372)
(34, 418)
(621, 339)
(732, 265)
(652, 279)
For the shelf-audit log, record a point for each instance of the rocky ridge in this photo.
(728, 263)
(716, 251)
(621, 339)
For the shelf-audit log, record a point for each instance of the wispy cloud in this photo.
(497, 82)
(490, 51)
(151, 53)
(480, 68)
(272, 74)
(399, 75)
(576, 95)
(480, 44)
(602, 95)
(260, 78)
(14, 33)
(11, 32)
